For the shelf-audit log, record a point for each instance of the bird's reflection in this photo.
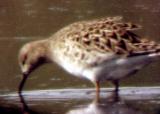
(109, 105)
(112, 105)
(25, 108)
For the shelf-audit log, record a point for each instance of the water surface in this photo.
(83, 101)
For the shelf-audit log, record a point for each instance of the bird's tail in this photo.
(146, 47)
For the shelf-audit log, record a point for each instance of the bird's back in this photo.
(89, 44)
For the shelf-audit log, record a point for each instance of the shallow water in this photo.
(23, 21)
(77, 101)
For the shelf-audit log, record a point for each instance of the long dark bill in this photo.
(21, 85)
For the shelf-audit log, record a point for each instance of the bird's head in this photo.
(31, 56)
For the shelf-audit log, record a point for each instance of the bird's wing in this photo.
(104, 39)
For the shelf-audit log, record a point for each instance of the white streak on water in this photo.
(130, 93)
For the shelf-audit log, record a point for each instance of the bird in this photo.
(102, 49)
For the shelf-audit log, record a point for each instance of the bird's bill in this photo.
(21, 85)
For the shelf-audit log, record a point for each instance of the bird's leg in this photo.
(116, 83)
(116, 95)
(97, 85)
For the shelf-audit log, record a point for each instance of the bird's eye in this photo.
(23, 62)
(24, 59)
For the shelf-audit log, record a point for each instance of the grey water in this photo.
(22, 21)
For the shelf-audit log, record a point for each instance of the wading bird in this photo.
(103, 49)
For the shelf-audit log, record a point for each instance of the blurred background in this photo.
(22, 21)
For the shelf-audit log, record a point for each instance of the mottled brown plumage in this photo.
(99, 50)
(106, 35)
